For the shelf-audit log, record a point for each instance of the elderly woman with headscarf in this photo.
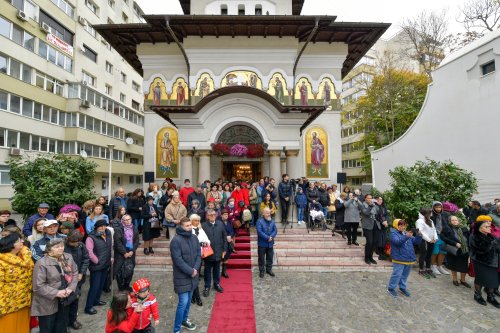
(126, 242)
(54, 281)
(485, 255)
(457, 235)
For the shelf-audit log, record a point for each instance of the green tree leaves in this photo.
(56, 180)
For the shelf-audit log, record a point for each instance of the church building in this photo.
(243, 89)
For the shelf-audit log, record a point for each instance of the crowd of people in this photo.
(48, 261)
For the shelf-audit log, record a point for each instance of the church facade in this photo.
(244, 90)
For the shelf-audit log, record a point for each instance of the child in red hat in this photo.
(142, 296)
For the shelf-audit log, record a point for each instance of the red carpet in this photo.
(233, 309)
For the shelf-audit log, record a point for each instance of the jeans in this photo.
(55, 323)
(182, 309)
(212, 266)
(97, 281)
(370, 242)
(426, 250)
(265, 259)
(300, 213)
(352, 231)
(399, 276)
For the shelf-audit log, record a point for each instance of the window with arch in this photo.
(241, 9)
(223, 9)
(258, 9)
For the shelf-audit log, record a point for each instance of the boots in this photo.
(224, 272)
(491, 299)
(479, 298)
(495, 291)
(196, 297)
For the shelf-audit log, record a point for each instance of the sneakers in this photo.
(443, 270)
(404, 292)
(435, 270)
(188, 325)
(392, 292)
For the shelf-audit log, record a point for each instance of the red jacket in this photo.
(126, 326)
(184, 193)
(240, 195)
(150, 308)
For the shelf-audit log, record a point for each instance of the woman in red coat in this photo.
(121, 316)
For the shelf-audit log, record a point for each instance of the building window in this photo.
(92, 6)
(258, 9)
(107, 89)
(57, 58)
(223, 9)
(26, 6)
(48, 83)
(488, 67)
(122, 98)
(87, 27)
(123, 77)
(89, 53)
(135, 105)
(241, 9)
(109, 67)
(4, 169)
(65, 7)
(136, 86)
(89, 79)
(57, 28)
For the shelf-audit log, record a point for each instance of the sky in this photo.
(387, 11)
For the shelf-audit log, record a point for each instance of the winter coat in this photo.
(351, 214)
(126, 326)
(198, 196)
(184, 193)
(80, 256)
(146, 213)
(47, 283)
(38, 248)
(114, 204)
(150, 309)
(16, 273)
(312, 194)
(428, 233)
(217, 234)
(402, 251)
(238, 197)
(448, 236)
(340, 212)
(186, 255)
(120, 250)
(301, 200)
(324, 197)
(368, 213)
(266, 229)
(134, 205)
(90, 222)
(175, 212)
(198, 211)
(99, 251)
(229, 227)
(202, 236)
(285, 190)
(485, 249)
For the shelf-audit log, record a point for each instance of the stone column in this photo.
(204, 166)
(275, 172)
(283, 166)
(186, 165)
(293, 164)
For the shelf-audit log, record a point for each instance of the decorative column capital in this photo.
(204, 152)
(186, 153)
(274, 153)
(292, 153)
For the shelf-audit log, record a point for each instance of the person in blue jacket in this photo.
(403, 256)
(266, 231)
(301, 202)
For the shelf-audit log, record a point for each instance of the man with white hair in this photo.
(266, 231)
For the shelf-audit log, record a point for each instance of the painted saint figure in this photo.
(278, 90)
(204, 87)
(327, 94)
(167, 154)
(303, 93)
(157, 94)
(317, 153)
(181, 94)
(253, 81)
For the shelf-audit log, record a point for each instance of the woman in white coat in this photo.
(428, 230)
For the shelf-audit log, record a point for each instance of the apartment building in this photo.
(64, 89)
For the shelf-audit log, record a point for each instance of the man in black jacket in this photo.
(285, 193)
(186, 258)
(216, 232)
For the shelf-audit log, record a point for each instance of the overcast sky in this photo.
(388, 11)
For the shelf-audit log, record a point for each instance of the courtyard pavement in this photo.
(333, 302)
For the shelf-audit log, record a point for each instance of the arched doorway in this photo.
(247, 169)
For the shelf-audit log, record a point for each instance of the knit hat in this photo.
(100, 223)
(484, 218)
(436, 203)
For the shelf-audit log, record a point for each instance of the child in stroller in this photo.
(316, 216)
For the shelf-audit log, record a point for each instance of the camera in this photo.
(414, 231)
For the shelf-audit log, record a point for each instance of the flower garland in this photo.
(238, 150)
(221, 149)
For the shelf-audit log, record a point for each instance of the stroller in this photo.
(316, 217)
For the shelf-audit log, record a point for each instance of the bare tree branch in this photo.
(482, 15)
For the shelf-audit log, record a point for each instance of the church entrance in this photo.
(248, 171)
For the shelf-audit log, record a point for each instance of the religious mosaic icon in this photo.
(326, 92)
(180, 92)
(242, 78)
(167, 161)
(277, 88)
(204, 86)
(303, 92)
(316, 142)
(157, 94)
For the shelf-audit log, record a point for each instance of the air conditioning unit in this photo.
(82, 20)
(45, 27)
(84, 82)
(22, 15)
(85, 104)
(15, 152)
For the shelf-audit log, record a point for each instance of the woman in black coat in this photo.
(150, 212)
(339, 214)
(134, 207)
(484, 253)
(126, 242)
(456, 235)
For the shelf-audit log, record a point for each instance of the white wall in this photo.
(459, 120)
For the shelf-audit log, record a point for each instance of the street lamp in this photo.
(110, 173)
(371, 149)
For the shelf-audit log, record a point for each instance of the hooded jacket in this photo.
(301, 199)
(186, 256)
(402, 251)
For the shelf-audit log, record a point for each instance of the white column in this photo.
(204, 166)
(186, 165)
(283, 166)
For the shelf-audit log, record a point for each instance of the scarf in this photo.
(129, 235)
(65, 267)
(457, 229)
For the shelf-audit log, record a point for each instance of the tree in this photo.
(391, 104)
(417, 186)
(480, 15)
(429, 38)
(56, 180)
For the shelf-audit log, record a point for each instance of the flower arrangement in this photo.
(255, 150)
(238, 150)
(220, 149)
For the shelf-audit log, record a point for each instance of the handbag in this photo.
(64, 284)
(236, 224)
(453, 250)
(472, 271)
(155, 223)
(206, 251)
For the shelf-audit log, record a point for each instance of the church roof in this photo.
(360, 37)
(296, 6)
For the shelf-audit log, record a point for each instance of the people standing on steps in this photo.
(216, 233)
(351, 217)
(285, 192)
(301, 203)
(174, 211)
(224, 218)
(150, 216)
(266, 233)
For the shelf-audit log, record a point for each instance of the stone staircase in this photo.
(295, 250)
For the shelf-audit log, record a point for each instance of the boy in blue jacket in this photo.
(403, 256)
(301, 202)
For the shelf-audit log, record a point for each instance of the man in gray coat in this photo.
(370, 225)
(216, 232)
